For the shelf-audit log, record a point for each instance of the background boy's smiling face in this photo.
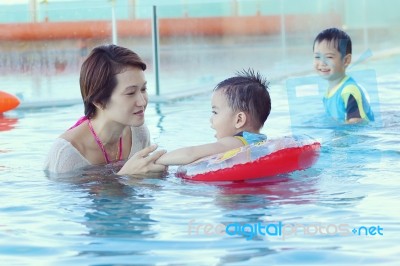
(328, 61)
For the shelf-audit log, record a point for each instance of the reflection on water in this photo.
(265, 192)
(7, 123)
(119, 206)
(128, 208)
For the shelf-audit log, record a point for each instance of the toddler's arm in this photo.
(190, 154)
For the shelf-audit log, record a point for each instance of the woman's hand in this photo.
(142, 163)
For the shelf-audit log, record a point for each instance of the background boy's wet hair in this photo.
(248, 92)
(338, 38)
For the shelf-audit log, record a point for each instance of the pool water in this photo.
(100, 219)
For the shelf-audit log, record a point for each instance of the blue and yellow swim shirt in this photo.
(348, 100)
(249, 138)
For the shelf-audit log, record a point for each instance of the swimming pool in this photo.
(100, 219)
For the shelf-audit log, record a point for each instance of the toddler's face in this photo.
(328, 61)
(222, 118)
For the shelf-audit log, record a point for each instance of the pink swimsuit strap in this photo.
(80, 121)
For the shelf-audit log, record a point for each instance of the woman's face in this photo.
(129, 99)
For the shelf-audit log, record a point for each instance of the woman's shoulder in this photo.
(64, 157)
(77, 137)
(60, 145)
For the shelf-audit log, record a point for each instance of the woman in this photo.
(114, 93)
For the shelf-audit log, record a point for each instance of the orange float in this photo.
(7, 102)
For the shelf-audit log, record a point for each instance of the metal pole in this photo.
(33, 10)
(156, 58)
(365, 26)
(283, 29)
(113, 24)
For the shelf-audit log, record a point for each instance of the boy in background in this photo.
(345, 100)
